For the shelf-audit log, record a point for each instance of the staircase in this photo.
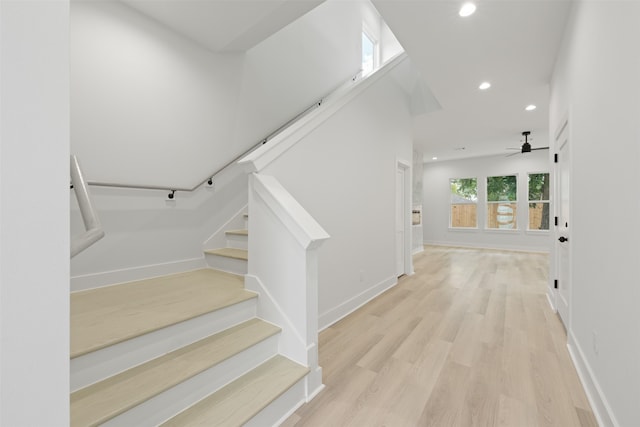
(180, 350)
(232, 258)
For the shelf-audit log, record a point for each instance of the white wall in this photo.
(145, 234)
(34, 213)
(297, 66)
(437, 201)
(343, 174)
(596, 82)
(417, 234)
(148, 105)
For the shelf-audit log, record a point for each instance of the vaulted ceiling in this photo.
(511, 44)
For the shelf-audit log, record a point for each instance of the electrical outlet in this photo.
(595, 342)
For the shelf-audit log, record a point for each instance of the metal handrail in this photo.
(93, 228)
(210, 177)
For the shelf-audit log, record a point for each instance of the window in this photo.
(464, 199)
(538, 201)
(369, 54)
(502, 201)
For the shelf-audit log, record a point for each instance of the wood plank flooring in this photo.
(469, 340)
(105, 316)
(106, 399)
(237, 402)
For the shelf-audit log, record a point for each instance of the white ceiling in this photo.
(225, 25)
(510, 43)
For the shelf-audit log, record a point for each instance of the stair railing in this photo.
(93, 228)
(210, 177)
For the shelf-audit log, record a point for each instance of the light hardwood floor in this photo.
(469, 340)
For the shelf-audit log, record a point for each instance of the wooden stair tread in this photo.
(239, 401)
(238, 232)
(102, 401)
(229, 253)
(106, 316)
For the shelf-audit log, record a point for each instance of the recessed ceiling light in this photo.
(484, 86)
(434, 158)
(467, 9)
(530, 107)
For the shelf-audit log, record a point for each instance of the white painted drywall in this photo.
(437, 199)
(144, 229)
(596, 82)
(417, 234)
(148, 105)
(297, 66)
(34, 213)
(343, 174)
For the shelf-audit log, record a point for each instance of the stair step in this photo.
(237, 232)
(229, 253)
(239, 401)
(100, 402)
(106, 316)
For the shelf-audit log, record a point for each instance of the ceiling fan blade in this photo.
(540, 148)
(513, 154)
(511, 148)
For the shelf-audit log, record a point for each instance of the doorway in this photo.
(404, 264)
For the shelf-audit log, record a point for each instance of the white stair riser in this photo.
(173, 401)
(281, 408)
(237, 241)
(230, 265)
(100, 364)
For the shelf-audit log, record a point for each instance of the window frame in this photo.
(548, 201)
(488, 203)
(451, 227)
(376, 51)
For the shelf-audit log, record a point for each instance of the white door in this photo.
(563, 230)
(400, 232)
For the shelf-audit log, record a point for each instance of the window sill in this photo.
(464, 229)
(538, 232)
(503, 230)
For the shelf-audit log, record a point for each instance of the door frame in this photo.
(405, 167)
(564, 127)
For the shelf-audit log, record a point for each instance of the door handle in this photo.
(563, 239)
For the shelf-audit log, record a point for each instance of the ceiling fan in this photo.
(526, 147)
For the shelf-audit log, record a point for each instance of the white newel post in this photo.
(283, 268)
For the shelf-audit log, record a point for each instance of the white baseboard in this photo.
(599, 405)
(314, 393)
(551, 300)
(417, 250)
(333, 315)
(106, 278)
(512, 248)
